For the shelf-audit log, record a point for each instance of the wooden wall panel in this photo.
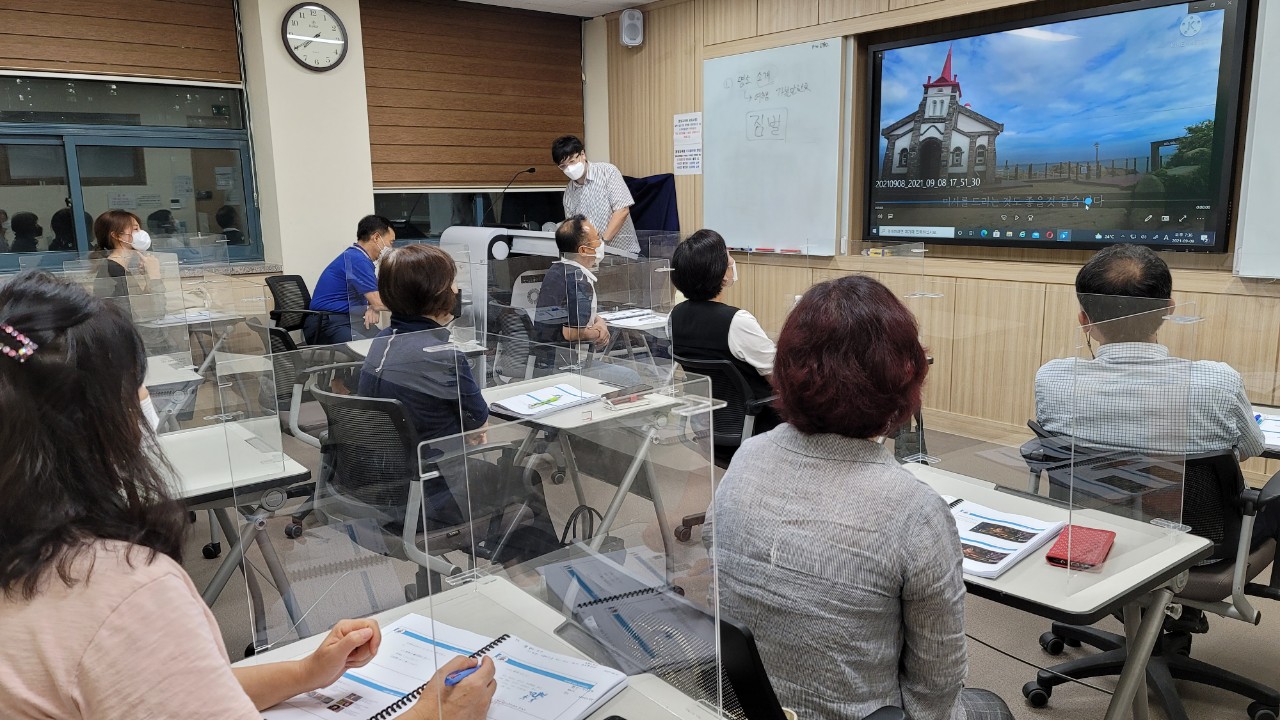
(781, 15)
(726, 20)
(832, 10)
(465, 95)
(935, 315)
(996, 342)
(152, 38)
(647, 86)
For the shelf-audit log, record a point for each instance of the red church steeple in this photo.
(946, 79)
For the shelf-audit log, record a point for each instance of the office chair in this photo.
(374, 469)
(513, 358)
(299, 415)
(731, 425)
(292, 301)
(1216, 505)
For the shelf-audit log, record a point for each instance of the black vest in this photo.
(700, 331)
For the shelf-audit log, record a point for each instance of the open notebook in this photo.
(533, 684)
(545, 400)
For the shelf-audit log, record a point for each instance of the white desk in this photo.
(194, 320)
(1272, 439)
(1144, 561)
(469, 348)
(166, 370)
(229, 466)
(492, 606)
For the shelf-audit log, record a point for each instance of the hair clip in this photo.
(21, 354)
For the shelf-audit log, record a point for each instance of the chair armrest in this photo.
(1261, 497)
(887, 713)
(756, 406)
(275, 314)
(468, 451)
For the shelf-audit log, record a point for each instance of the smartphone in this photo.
(627, 394)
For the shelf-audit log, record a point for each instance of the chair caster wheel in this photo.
(1052, 644)
(250, 650)
(1036, 696)
(557, 477)
(684, 533)
(1258, 711)
(211, 550)
(293, 530)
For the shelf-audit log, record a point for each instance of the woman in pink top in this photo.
(99, 619)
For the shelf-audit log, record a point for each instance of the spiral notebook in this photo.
(533, 683)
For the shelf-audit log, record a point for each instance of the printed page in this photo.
(993, 541)
(535, 684)
(538, 402)
(412, 649)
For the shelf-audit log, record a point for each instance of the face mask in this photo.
(149, 412)
(5, 225)
(457, 304)
(734, 276)
(597, 252)
(141, 240)
(385, 252)
(576, 170)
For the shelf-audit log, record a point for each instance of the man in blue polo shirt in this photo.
(350, 282)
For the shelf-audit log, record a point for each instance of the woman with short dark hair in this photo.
(843, 564)
(703, 327)
(99, 619)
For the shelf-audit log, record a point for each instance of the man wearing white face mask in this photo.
(567, 309)
(350, 281)
(596, 190)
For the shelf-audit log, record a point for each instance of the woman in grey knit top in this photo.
(848, 572)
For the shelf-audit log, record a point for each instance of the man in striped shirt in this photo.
(596, 190)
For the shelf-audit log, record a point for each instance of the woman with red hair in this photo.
(843, 564)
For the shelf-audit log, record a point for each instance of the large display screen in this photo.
(1074, 131)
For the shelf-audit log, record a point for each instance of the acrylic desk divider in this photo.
(328, 439)
(577, 586)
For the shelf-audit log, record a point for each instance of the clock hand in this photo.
(299, 47)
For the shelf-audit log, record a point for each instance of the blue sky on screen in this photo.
(1120, 80)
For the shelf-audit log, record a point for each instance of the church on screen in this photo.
(942, 138)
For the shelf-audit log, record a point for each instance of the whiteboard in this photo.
(771, 154)
(1257, 248)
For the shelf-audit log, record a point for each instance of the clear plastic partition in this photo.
(1120, 410)
(579, 580)
(658, 244)
(333, 435)
(195, 250)
(365, 321)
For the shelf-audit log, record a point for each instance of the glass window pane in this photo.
(34, 202)
(189, 199)
(104, 102)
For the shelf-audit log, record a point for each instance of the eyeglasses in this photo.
(570, 160)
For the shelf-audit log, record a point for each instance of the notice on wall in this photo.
(183, 186)
(688, 143)
(150, 200)
(122, 201)
(224, 177)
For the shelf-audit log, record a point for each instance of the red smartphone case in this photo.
(1087, 547)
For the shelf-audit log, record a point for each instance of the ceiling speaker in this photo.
(631, 28)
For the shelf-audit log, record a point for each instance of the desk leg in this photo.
(278, 575)
(664, 525)
(208, 358)
(233, 560)
(571, 467)
(1134, 676)
(615, 506)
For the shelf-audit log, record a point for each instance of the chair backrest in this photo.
(515, 341)
(1211, 501)
(285, 360)
(744, 669)
(289, 293)
(374, 449)
(728, 385)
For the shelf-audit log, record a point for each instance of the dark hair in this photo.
(417, 280)
(82, 382)
(62, 225)
(849, 360)
(113, 222)
(1128, 287)
(25, 224)
(226, 216)
(161, 221)
(371, 225)
(565, 146)
(699, 264)
(571, 234)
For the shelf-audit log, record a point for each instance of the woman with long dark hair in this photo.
(99, 619)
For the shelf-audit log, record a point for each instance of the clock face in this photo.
(314, 36)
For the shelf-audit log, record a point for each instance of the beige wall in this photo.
(1000, 313)
(311, 141)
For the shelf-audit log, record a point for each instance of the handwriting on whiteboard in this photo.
(768, 124)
